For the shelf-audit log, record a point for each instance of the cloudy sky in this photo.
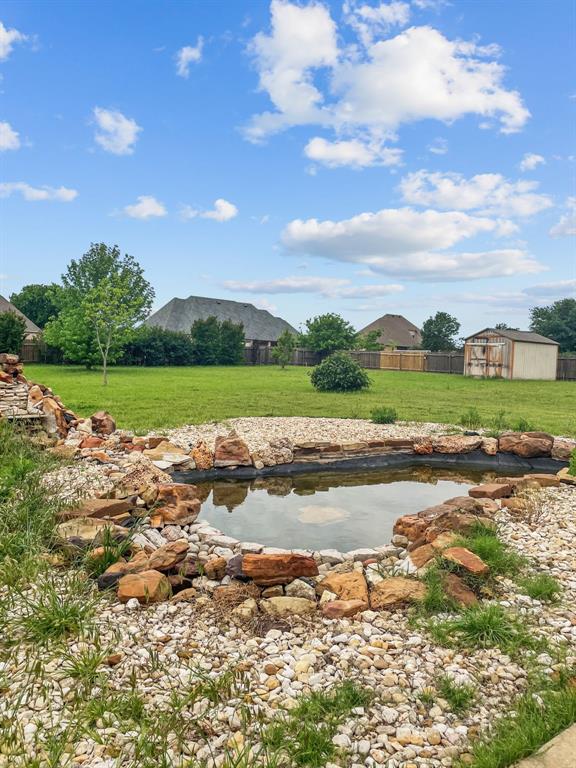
(357, 157)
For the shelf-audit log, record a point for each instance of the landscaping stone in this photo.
(395, 591)
(565, 477)
(83, 531)
(544, 481)
(277, 569)
(526, 444)
(491, 491)
(169, 555)
(103, 423)
(562, 448)
(421, 555)
(423, 446)
(215, 568)
(300, 588)
(146, 587)
(347, 586)
(466, 559)
(231, 451)
(99, 508)
(456, 443)
(339, 609)
(490, 446)
(284, 606)
(458, 591)
(181, 513)
(202, 456)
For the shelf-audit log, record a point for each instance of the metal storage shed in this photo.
(507, 354)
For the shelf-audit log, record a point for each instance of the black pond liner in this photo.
(501, 463)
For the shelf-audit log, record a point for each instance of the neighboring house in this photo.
(33, 333)
(395, 331)
(260, 327)
(507, 354)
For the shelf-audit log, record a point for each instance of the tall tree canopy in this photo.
(12, 332)
(328, 333)
(37, 302)
(104, 295)
(557, 322)
(439, 332)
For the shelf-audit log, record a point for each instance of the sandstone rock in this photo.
(543, 480)
(182, 513)
(394, 591)
(277, 452)
(490, 446)
(287, 606)
(347, 586)
(565, 477)
(339, 609)
(444, 540)
(562, 448)
(100, 508)
(515, 504)
(421, 555)
(230, 595)
(163, 449)
(491, 491)
(169, 555)
(278, 569)
(246, 610)
(139, 477)
(300, 588)
(274, 591)
(103, 423)
(184, 596)
(526, 444)
(147, 587)
(215, 568)
(458, 591)
(35, 396)
(231, 451)
(171, 493)
(114, 572)
(423, 445)
(456, 443)
(52, 408)
(92, 441)
(83, 531)
(202, 456)
(411, 527)
(466, 559)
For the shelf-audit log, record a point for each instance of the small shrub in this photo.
(112, 552)
(484, 542)
(470, 419)
(541, 587)
(572, 465)
(436, 600)
(522, 425)
(383, 415)
(339, 373)
(458, 695)
(500, 422)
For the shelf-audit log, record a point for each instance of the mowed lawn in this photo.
(151, 398)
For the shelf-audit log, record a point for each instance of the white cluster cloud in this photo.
(223, 211)
(9, 138)
(376, 86)
(540, 294)
(531, 161)
(566, 226)
(8, 39)
(189, 55)
(116, 133)
(33, 194)
(146, 207)
(331, 287)
(411, 244)
(438, 147)
(486, 193)
(353, 153)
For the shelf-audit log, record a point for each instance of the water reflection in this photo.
(349, 509)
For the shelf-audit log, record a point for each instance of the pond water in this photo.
(326, 510)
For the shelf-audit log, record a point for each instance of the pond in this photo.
(328, 510)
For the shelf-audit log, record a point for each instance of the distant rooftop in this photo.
(7, 306)
(395, 329)
(180, 314)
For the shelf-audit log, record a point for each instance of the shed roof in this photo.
(396, 329)
(7, 306)
(180, 314)
(508, 333)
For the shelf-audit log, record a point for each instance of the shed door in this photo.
(494, 359)
(477, 362)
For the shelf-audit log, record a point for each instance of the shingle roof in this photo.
(508, 333)
(395, 329)
(7, 306)
(259, 324)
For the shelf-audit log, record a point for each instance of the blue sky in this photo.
(357, 157)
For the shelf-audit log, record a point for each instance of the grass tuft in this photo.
(458, 695)
(541, 587)
(484, 542)
(435, 600)
(383, 415)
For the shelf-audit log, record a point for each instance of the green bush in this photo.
(572, 466)
(12, 332)
(153, 346)
(383, 415)
(339, 373)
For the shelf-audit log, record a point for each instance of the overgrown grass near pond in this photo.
(151, 398)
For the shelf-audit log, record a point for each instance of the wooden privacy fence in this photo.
(566, 368)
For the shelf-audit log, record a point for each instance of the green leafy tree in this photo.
(439, 332)
(232, 343)
(12, 332)
(339, 373)
(37, 302)
(557, 322)
(285, 346)
(206, 341)
(369, 341)
(328, 333)
(103, 296)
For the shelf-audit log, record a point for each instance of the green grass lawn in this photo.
(151, 398)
